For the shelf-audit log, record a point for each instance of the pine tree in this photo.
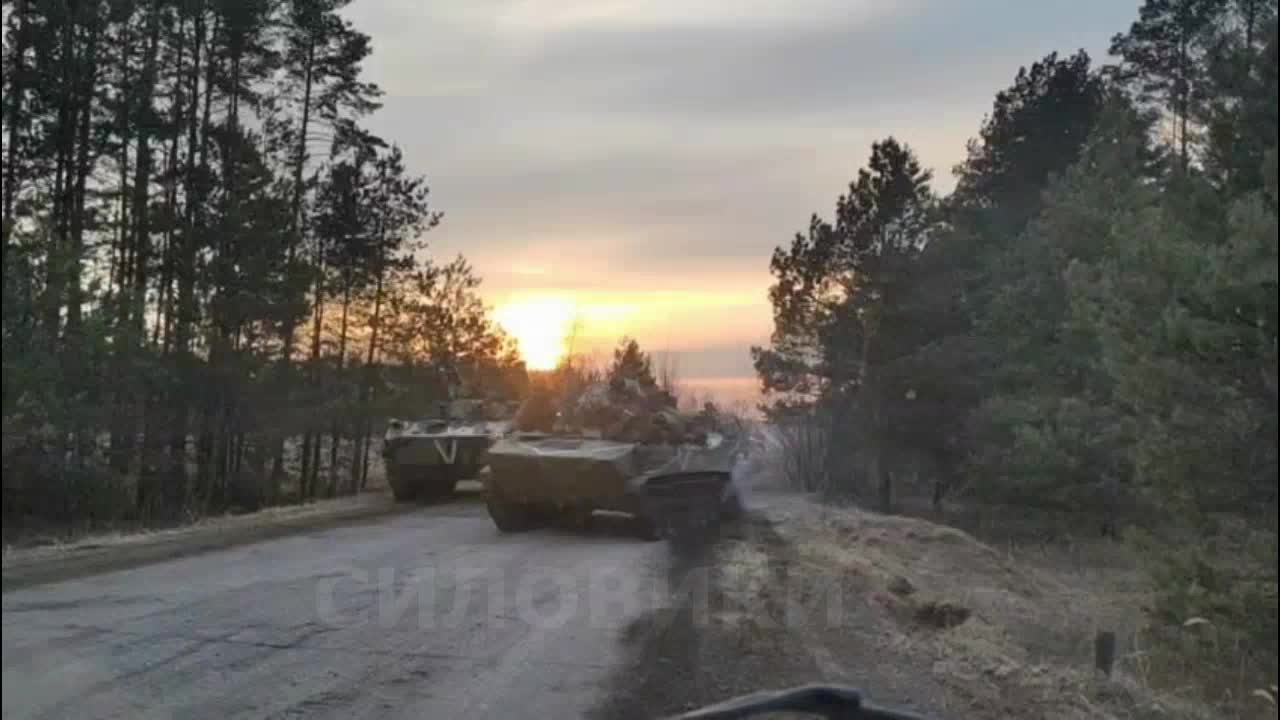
(631, 364)
(1239, 119)
(838, 295)
(1163, 53)
(162, 216)
(1045, 435)
(322, 56)
(1034, 132)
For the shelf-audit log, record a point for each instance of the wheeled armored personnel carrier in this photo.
(666, 487)
(426, 458)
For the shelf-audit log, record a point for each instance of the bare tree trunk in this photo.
(371, 357)
(287, 333)
(335, 430)
(184, 263)
(364, 456)
(55, 261)
(166, 324)
(943, 478)
(884, 480)
(315, 464)
(311, 441)
(304, 480)
(213, 390)
(357, 458)
(17, 92)
(207, 491)
(121, 258)
(75, 254)
(1184, 96)
(86, 79)
(131, 400)
(227, 330)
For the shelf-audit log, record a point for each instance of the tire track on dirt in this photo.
(710, 645)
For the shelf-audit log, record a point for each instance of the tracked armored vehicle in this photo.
(535, 478)
(426, 458)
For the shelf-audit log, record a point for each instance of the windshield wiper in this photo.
(829, 701)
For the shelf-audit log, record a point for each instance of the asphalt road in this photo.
(425, 615)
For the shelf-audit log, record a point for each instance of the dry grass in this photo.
(1006, 632)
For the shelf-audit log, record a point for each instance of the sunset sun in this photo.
(541, 327)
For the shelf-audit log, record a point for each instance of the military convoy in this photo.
(614, 448)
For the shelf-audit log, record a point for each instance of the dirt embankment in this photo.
(25, 567)
(918, 616)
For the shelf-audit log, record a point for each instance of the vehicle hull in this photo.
(428, 463)
(663, 486)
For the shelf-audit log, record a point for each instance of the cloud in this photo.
(601, 146)
(657, 15)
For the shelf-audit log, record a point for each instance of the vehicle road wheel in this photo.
(508, 516)
(575, 518)
(466, 471)
(731, 507)
(440, 482)
(403, 487)
(650, 529)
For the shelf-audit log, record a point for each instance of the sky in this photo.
(628, 167)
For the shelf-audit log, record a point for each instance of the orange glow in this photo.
(550, 323)
(541, 327)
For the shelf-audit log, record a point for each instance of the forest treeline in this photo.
(1082, 334)
(214, 279)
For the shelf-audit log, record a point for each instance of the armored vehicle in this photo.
(538, 477)
(426, 458)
